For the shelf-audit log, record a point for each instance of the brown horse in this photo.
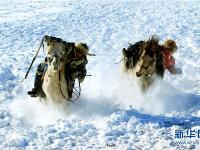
(143, 64)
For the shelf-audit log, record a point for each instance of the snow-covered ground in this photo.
(111, 112)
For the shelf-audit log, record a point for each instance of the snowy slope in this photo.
(111, 112)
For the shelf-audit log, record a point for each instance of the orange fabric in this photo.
(169, 60)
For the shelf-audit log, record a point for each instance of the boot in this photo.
(37, 86)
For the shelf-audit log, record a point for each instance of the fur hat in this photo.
(82, 47)
(170, 45)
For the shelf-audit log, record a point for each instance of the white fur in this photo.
(55, 48)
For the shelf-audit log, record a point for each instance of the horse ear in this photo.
(124, 52)
(46, 37)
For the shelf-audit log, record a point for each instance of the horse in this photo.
(140, 61)
(54, 83)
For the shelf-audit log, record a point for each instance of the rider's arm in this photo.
(172, 69)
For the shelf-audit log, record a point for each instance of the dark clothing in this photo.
(75, 69)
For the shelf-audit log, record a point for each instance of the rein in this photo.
(74, 88)
(41, 45)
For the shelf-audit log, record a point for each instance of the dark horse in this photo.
(144, 61)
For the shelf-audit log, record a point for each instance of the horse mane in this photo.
(151, 46)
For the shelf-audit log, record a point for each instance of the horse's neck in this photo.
(52, 74)
(62, 68)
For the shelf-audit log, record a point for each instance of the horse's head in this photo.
(55, 50)
(146, 64)
(54, 61)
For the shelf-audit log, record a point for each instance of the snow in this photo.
(111, 112)
(4, 122)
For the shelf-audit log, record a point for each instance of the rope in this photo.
(77, 93)
(62, 91)
(42, 43)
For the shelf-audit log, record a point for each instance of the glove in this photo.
(178, 71)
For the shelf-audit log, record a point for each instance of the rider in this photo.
(167, 50)
(75, 66)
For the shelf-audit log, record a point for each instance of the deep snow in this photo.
(111, 112)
